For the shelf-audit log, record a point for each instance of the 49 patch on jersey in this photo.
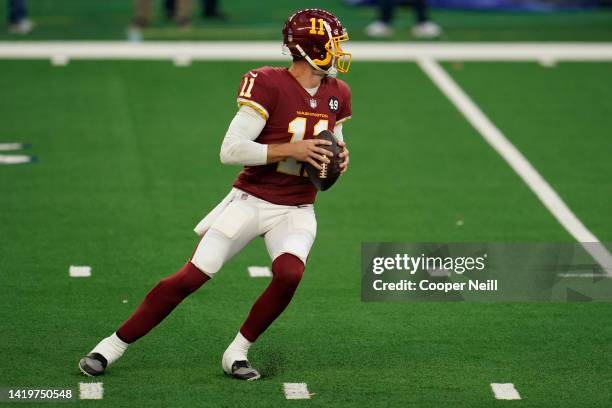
(334, 104)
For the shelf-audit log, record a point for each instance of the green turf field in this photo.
(128, 163)
(252, 20)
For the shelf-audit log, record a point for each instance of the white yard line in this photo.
(79, 271)
(7, 147)
(296, 391)
(259, 272)
(91, 391)
(62, 51)
(14, 159)
(492, 135)
(505, 391)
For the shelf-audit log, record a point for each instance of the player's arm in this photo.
(344, 114)
(345, 152)
(239, 145)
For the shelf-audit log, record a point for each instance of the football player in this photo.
(280, 111)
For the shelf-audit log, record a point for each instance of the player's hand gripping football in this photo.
(307, 151)
(344, 155)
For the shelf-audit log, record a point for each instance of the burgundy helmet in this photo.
(315, 35)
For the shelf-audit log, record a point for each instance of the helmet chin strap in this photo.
(332, 71)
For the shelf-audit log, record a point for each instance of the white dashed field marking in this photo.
(14, 159)
(7, 147)
(438, 272)
(505, 391)
(260, 272)
(59, 60)
(182, 61)
(547, 62)
(91, 391)
(79, 271)
(295, 391)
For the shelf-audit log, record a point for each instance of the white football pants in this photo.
(241, 217)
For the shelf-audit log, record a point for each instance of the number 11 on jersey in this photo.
(247, 85)
(297, 127)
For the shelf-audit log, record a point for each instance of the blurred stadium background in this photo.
(127, 161)
(462, 20)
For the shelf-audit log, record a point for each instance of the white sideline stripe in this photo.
(584, 275)
(271, 50)
(79, 271)
(91, 391)
(259, 272)
(518, 162)
(295, 391)
(7, 147)
(14, 159)
(505, 391)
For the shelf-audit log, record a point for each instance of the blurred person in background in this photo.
(19, 23)
(169, 6)
(210, 9)
(423, 28)
(143, 15)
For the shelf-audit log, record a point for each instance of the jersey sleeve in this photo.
(257, 92)
(346, 110)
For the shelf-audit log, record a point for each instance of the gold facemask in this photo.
(334, 51)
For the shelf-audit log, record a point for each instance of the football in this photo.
(326, 177)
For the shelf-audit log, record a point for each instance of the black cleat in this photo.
(93, 364)
(242, 370)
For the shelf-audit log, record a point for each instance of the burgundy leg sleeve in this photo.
(287, 272)
(160, 301)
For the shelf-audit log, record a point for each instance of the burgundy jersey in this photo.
(292, 114)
